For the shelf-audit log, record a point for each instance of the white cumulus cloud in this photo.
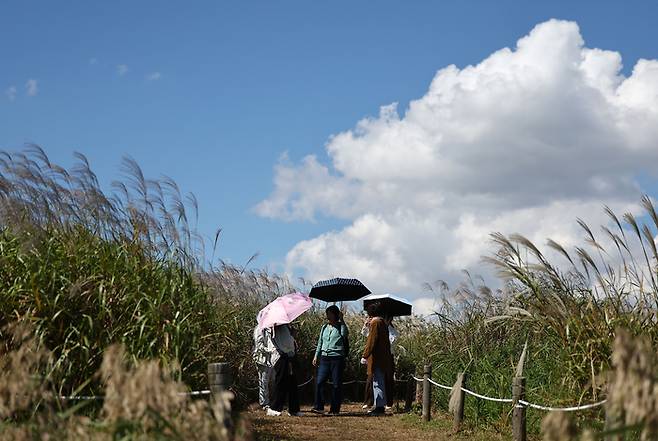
(122, 69)
(11, 93)
(425, 306)
(31, 87)
(526, 141)
(154, 76)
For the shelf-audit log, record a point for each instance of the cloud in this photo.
(527, 140)
(31, 87)
(93, 61)
(425, 306)
(11, 93)
(122, 69)
(154, 76)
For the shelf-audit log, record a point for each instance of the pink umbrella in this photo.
(283, 310)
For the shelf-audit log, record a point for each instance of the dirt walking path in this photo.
(353, 425)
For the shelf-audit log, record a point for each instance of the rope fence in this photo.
(562, 409)
(344, 383)
(523, 403)
(484, 397)
(194, 393)
(458, 393)
(81, 397)
(220, 380)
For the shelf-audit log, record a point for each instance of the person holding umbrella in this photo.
(278, 315)
(390, 306)
(285, 373)
(377, 356)
(330, 354)
(393, 335)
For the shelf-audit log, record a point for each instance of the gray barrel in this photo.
(219, 377)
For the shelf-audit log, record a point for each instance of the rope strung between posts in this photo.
(101, 397)
(562, 409)
(442, 386)
(521, 403)
(196, 392)
(497, 400)
(345, 383)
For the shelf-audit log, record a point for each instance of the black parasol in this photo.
(391, 305)
(339, 290)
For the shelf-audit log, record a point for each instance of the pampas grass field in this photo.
(116, 293)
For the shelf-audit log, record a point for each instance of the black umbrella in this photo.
(391, 305)
(339, 290)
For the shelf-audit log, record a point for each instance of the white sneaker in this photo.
(388, 407)
(365, 406)
(272, 412)
(296, 414)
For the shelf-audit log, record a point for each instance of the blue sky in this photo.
(240, 83)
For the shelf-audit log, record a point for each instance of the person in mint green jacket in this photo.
(330, 355)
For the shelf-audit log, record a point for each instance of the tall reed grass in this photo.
(568, 306)
(142, 400)
(89, 269)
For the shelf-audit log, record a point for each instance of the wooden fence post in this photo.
(518, 415)
(427, 393)
(219, 377)
(219, 381)
(458, 416)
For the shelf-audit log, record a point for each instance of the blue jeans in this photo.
(379, 388)
(330, 366)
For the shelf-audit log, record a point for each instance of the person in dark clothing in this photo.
(285, 373)
(332, 349)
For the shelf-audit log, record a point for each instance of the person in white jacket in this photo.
(265, 356)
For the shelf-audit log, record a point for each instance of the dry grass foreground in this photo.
(143, 401)
(355, 426)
